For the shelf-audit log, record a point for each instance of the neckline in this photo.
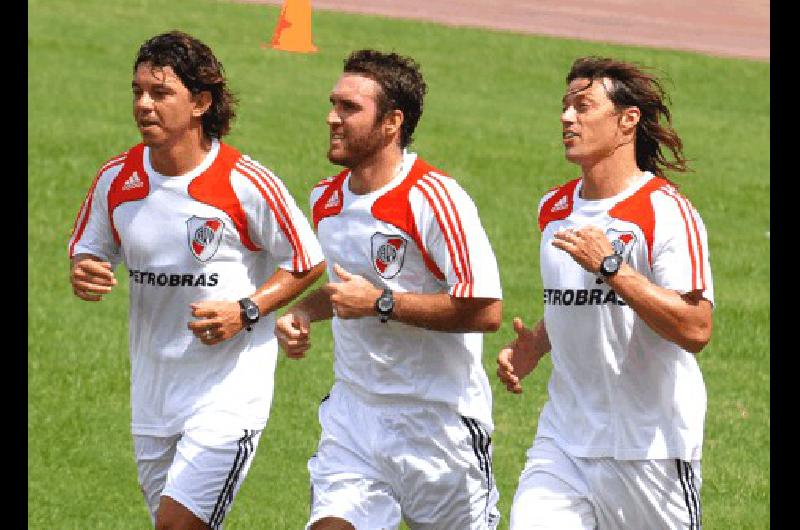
(580, 202)
(189, 175)
(405, 167)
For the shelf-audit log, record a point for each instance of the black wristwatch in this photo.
(384, 305)
(250, 313)
(610, 265)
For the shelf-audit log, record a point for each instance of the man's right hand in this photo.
(293, 331)
(91, 277)
(521, 355)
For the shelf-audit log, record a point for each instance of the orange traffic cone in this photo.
(293, 31)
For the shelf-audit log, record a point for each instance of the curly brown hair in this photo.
(199, 70)
(401, 82)
(631, 86)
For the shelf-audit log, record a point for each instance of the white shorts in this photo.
(557, 490)
(379, 461)
(201, 469)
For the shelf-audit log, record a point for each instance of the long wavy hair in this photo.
(631, 86)
(199, 70)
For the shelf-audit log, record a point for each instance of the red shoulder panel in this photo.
(394, 208)
(331, 201)
(130, 184)
(638, 209)
(86, 208)
(213, 187)
(559, 205)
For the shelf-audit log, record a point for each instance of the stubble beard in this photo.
(358, 150)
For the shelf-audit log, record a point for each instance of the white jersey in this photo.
(215, 233)
(419, 233)
(617, 388)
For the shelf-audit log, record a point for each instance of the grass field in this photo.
(491, 120)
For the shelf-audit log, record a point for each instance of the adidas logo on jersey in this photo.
(333, 200)
(133, 182)
(561, 204)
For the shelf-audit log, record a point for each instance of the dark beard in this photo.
(360, 150)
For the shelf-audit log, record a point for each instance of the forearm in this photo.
(682, 319)
(283, 286)
(317, 305)
(442, 312)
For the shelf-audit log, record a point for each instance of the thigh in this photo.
(208, 469)
(345, 484)
(441, 464)
(647, 493)
(552, 492)
(154, 456)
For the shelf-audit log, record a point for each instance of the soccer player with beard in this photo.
(213, 244)
(628, 298)
(406, 428)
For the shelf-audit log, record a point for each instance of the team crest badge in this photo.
(204, 236)
(622, 242)
(388, 252)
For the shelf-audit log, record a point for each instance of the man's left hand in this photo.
(353, 296)
(587, 246)
(216, 321)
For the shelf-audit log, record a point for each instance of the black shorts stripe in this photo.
(474, 436)
(698, 510)
(688, 495)
(247, 452)
(231, 473)
(218, 504)
(226, 495)
(487, 454)
(481, 443)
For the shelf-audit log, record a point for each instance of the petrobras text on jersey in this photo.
(162, 279)
(581, 297)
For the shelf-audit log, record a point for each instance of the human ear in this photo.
(629, 118)
(392, 122)
(202, 102)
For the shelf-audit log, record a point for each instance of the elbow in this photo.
(315, 272)
(491, 326)
(696, 339)
(493, 318)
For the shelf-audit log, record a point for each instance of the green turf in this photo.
(491, 120)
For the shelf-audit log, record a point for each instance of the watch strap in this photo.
(248, 307)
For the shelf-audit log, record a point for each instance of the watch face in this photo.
(385, 303)
(611, 264)
(250, 310)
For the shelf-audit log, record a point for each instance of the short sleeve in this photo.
(92, 233)
(681, 258)
(276, 224)
(454, 237)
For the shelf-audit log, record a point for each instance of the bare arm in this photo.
(224, 319)
(354, 297)
(684, 319)
(91, 277)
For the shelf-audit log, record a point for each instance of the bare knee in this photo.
(332, 523)
(172, 515)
